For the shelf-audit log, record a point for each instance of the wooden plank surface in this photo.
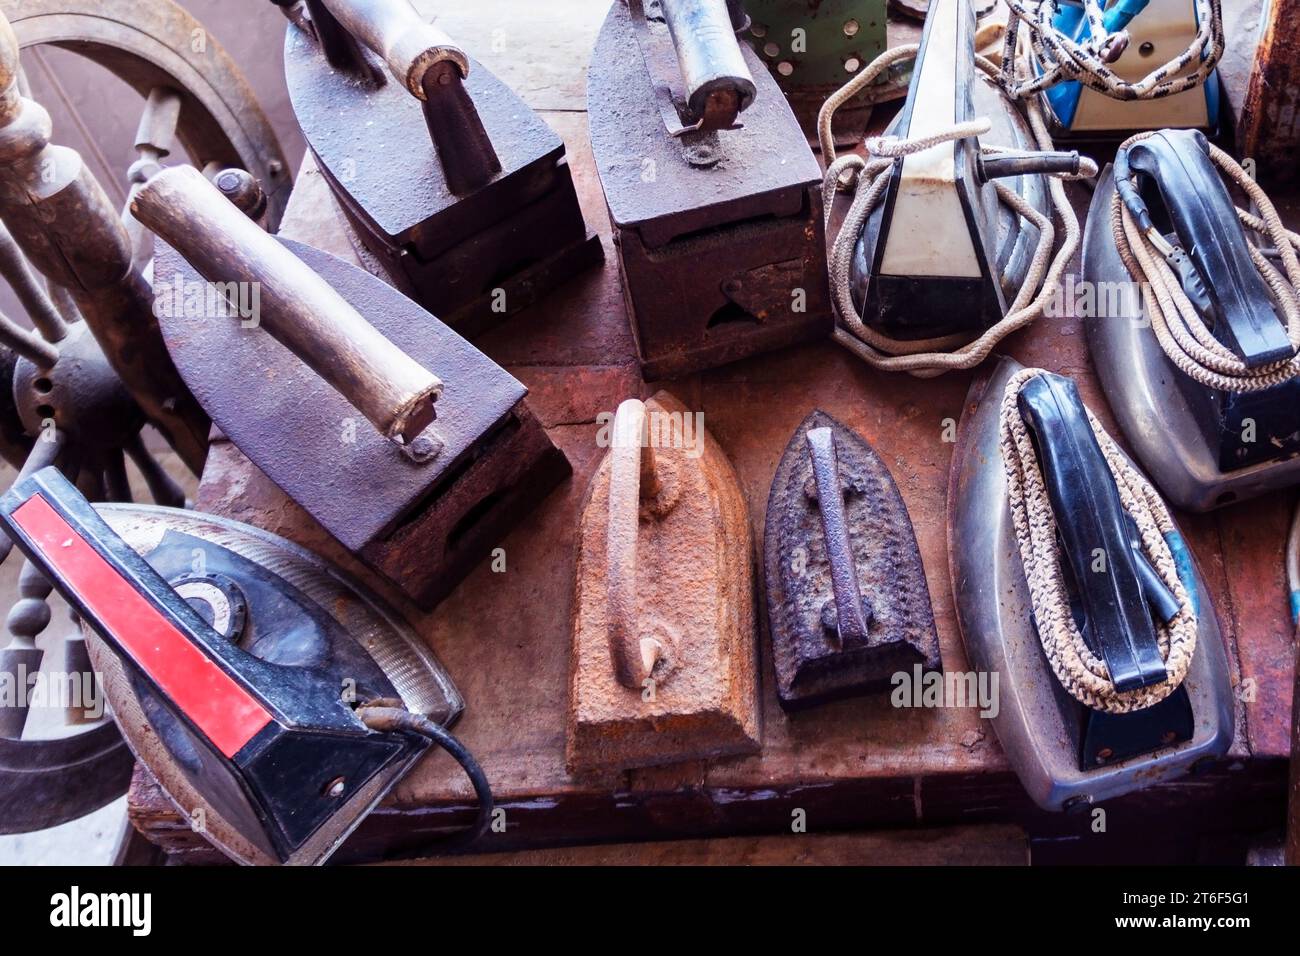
(939, 846)
(505, 636)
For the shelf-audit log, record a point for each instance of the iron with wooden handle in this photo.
(298, 308)
(433, 69)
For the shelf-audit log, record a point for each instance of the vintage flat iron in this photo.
(945, 248)
(711, 188)
(331, 390)
(1198, 355)
(1112, 672)
(847, 601)
(663, 667)
(459, 190)
(274, 700)
(1113, 68)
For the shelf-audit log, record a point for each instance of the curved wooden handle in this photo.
(298, 308)
(631, 478)
(397, 34)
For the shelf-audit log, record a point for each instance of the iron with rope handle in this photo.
(1094, 532)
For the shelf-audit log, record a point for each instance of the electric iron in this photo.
(945, 248)
(1107, 69)
(1074, 585)
(847, 601)
(711, 188)
(1201, 368)
(456, 187)
(274, 700)
(663, 668)
(330, 389)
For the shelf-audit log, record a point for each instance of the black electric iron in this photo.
(1065, 753)
(1203, 446)
(847, 602)
(274, 700)
(941, 254)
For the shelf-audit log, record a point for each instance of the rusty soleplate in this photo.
(813, 664)
(521, 232)
(694, 587)
(718, 262)
(424, 525)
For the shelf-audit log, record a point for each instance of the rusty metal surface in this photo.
(449, 251)
(692, 595)
(360, 486)
(813, 663)
(719, 261)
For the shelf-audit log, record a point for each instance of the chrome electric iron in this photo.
(1195, 337)
(1112, 672)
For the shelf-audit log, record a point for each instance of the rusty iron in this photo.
(460, 191)
(1270, 130)
(847, 600)
(719, 232)
(663, 667)
(423, 514)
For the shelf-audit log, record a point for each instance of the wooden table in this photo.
(853, 764)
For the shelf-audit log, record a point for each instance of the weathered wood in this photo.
(68, 229)
(297, 307)
(1270, 114)
(400, 37)
(960, 846)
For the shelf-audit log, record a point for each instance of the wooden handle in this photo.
(397, 34)
(298, 308)
(632, 478)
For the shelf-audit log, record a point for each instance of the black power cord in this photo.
(389, 715)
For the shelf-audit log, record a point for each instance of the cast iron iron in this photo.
(713, 192)
(1065, 754)
(663, 667)
(847, 601)
(331, 394)
(459, 190)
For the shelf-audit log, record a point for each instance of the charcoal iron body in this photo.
(869, 544)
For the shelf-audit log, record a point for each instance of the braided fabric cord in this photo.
(1059, 58)
(1178, 326)
(869, 178)
(1083, 674)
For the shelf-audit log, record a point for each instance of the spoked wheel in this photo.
(63, 404)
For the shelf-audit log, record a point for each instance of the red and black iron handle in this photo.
(298, 308)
